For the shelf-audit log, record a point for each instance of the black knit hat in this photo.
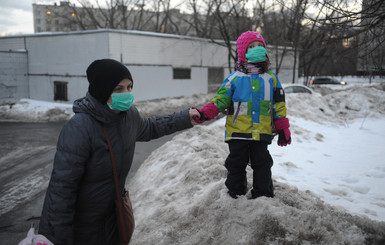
(104, 75)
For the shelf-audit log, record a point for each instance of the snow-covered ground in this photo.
(329, 183)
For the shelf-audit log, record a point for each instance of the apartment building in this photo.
(54, 18)
(64, 16)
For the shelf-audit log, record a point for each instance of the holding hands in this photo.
(208, 112)
(194, 113)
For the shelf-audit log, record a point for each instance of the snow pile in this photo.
(28, 110)
(338, 106)
(172, 104)
(310, 107)
(358, 102)
(179, 197)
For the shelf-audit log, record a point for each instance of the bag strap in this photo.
(113, 165)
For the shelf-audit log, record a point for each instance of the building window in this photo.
(181, 73)
(60, 91)
(38, 21)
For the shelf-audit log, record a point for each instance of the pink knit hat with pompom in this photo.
(244, 40)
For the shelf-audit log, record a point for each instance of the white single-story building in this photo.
(52, 66)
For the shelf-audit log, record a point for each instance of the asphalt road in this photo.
(26, 156)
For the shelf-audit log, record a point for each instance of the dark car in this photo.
(325, 80)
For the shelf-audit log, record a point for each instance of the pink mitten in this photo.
(208, 112)
(282, 126)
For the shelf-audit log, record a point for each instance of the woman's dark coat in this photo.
(79, 204)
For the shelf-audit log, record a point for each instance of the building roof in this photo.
(135, 32)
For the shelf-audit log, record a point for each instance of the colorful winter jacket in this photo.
(252, 101)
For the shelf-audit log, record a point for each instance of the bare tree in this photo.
(201, 18)
(220, 19)
(157, 16)
(327, 40)
(362, 28)
(324, 38)
(112, 14)
(108, 14)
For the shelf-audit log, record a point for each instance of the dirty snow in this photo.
(328, 182)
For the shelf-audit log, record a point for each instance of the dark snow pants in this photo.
(241, 153)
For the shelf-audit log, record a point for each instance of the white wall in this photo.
(68, 54)
(66, 58)
(13, 79)
(42, 87)
(138, 49)
(151, 82)
(12, 43)
(63, 58)
(151, 59)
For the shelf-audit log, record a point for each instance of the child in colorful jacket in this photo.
(256, 111)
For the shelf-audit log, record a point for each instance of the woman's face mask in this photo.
(121, 101)
(256, 54)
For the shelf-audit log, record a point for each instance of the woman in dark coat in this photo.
(79, 204)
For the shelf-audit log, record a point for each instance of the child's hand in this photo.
(284, 136)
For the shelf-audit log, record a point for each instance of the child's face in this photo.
(255, 44)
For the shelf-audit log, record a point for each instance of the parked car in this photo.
(297, 88)
(326, 80)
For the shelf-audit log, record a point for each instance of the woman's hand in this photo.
(194, 112)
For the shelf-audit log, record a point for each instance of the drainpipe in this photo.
(25, 47)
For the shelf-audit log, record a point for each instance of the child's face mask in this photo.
(256, 54)
(121, 101)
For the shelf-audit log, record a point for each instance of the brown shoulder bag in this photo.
(124, 211)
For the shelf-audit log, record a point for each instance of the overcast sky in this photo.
(16, 15)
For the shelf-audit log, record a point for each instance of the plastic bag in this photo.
(35, 239)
